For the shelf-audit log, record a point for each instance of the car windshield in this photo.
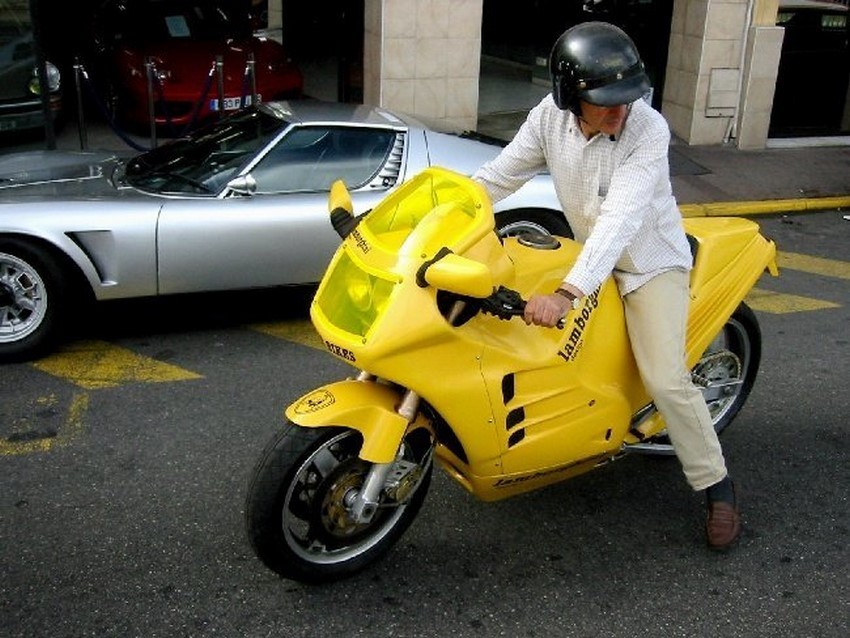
(204, 161)
(14, 23)
(161, 20)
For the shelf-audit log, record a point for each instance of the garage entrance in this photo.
(814, 71)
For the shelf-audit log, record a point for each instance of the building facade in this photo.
(718, 69)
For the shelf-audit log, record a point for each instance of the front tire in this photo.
(296, 511)
(32, 300)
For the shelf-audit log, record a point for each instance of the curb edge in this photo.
(764, 207)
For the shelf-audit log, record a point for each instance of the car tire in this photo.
(32, 300)
(516, 222)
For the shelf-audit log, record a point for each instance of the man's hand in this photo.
(548, 310)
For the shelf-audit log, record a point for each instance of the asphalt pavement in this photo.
(126, 521)
(722, 180)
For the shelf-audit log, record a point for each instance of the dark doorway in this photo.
(523, 33)
(326, 37)
(812, 84)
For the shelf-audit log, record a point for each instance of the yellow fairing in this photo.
(731, 256)
(517, 407)
(364, 406)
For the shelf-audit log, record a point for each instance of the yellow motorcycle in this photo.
(418, 298)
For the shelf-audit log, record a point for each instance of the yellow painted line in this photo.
(764, 207)
(70, 430)
(780, 304)
(96, 364)
(814, 265)
(301, 332)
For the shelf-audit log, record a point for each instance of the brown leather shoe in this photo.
(723, 525)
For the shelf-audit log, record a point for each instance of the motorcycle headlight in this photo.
(353, 299)
(54, 79)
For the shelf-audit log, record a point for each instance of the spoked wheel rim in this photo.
(517, 228)
(726, 363)
(720, 369)
(23, 299)
(315, 518)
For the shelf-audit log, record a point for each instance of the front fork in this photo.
(363, 504)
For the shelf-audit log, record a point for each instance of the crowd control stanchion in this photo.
(219, 68)
(150, 70)
(105, 112)
(201, 101)
(250, 76)
(81, 120)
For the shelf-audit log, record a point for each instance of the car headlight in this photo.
(162, 74)
(54, 79)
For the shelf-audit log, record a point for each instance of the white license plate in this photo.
(231, 103)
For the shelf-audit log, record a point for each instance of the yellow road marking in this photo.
(814, 265)
(301, 332)
(96, 364)
(71, 428)
(779, 303)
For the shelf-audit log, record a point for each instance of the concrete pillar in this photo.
(764, 48)
(275, 13)
(721, 70)
(423, 57)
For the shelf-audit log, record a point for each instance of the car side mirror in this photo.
(243, 185)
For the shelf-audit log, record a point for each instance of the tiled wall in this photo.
(423, 57)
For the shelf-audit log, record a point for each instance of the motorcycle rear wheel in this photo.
(733, 356)
(296, 515)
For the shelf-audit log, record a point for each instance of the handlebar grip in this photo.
(506, 303)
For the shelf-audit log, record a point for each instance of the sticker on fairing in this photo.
(314, 402)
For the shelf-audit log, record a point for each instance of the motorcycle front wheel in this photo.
(297, 511)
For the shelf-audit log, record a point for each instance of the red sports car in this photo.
(187, 55)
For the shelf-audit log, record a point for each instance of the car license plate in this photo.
(232, 103)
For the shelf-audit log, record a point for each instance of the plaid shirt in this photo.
(615, 193)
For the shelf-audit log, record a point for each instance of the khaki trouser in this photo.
(656, 317)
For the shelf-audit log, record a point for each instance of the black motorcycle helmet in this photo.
(598, 63)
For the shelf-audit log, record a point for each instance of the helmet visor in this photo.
(622, 88)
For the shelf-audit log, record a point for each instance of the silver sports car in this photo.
(240, 204)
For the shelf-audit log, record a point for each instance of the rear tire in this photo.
(733, 355)
(296, 512)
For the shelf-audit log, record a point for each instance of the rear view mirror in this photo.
(457, 274)
(341, 209)
(339, 197)
(243, 185)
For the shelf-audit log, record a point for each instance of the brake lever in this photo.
(506, 303)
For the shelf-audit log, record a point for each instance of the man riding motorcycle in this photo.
(606, 149)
